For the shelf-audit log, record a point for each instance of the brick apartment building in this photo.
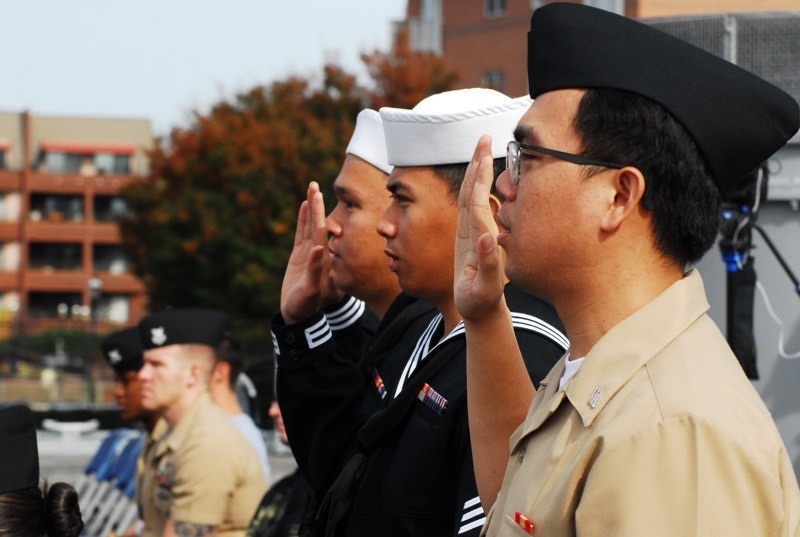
(485, 40)
(61, 263)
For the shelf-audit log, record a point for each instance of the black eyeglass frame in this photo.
(514, 158)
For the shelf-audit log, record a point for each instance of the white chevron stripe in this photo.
(347, 315)
(421, 350)
(318, 334)
(275, 344)
(534, 324)
(472, 525)
(474, 501)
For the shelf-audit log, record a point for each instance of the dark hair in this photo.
(33, 513)
(230, 351)
(623, 127)
(453, 174)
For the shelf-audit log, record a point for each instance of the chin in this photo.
(342, 284)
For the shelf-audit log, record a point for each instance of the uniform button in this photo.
(289, 338)
(294, 355)
(521, 454)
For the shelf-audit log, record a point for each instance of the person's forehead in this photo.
(411, 176)
(162, 354)
(358, 176)
(550, 118)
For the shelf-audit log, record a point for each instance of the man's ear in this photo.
(220, 372)
(628, 186)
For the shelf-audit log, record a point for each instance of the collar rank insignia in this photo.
(431, 399)
(114, 356)
(376, 378)
(158, 336)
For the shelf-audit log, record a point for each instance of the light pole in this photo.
(95, 285)
(95, 292)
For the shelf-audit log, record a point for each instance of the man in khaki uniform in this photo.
(207, 478)
(648, 425)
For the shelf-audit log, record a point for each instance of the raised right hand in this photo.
(306, 281)
(479, 269)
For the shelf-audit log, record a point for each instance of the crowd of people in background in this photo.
(496, 330)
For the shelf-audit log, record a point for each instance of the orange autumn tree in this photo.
(403, 76)
(213, 224)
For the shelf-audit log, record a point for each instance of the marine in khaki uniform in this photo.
(648, 425)
(202, 477)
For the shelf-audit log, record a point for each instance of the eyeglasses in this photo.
(513, 159)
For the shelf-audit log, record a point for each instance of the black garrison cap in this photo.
(19, 452)
(123, 350)
(183, 326)
(736, 119)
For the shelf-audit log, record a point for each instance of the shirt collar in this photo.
(629, 345)
(619, 354)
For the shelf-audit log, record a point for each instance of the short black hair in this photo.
(230, 351)
(620, 126)
(453, 174)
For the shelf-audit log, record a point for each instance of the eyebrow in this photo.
(526, 135)
(394, 186)
(342, 190)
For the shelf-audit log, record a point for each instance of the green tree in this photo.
(213, 224)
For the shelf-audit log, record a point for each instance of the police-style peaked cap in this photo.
(183, 326)
(737, 119)
(19, 452)
(123, 350)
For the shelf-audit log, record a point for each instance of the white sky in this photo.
(159, 59)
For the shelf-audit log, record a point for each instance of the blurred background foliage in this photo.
(213, 224)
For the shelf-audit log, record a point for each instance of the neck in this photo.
(150, 422)
(173, 414)
(380, 304)
(225, 398)
(593, 308)
(450, 314)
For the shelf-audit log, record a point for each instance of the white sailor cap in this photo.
(368, 142)
(444, 128)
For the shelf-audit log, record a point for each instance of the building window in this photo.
(114, 308)
(10, 206)
(495, 80)
(55, 256)
(51, 305)
(56, 208)
(9, 256)
(110, 208)
(614, 6)
(112, 164)
(57, 162)
(110, 258)
(85, 163)
(494, 8)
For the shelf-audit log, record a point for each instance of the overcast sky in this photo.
(159, 59)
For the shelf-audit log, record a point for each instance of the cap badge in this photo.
(114, 356)
(157, 335)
